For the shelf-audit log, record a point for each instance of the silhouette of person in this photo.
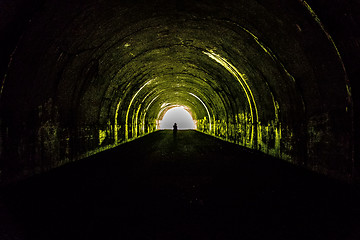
(174, 128)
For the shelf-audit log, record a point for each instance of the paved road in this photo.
(190, 187)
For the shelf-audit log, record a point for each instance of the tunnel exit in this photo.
(178, 115)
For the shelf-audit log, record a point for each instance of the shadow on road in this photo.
(188, 186)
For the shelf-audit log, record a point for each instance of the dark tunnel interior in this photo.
(271, 87)
(85, 76)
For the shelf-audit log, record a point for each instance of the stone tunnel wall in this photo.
(49, 144)
(84, 77)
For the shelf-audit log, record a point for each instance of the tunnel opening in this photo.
(180, 115)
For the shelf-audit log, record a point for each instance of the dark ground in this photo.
(197, 187)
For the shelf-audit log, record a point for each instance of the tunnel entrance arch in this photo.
(180, 115)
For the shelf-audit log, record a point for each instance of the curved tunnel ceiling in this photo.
(98, 73)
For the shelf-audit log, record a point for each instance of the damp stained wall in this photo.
(87, 76)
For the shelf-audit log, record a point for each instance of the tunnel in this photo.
(83, 77)
(268, 87)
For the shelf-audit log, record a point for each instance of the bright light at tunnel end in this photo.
(178, 115)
